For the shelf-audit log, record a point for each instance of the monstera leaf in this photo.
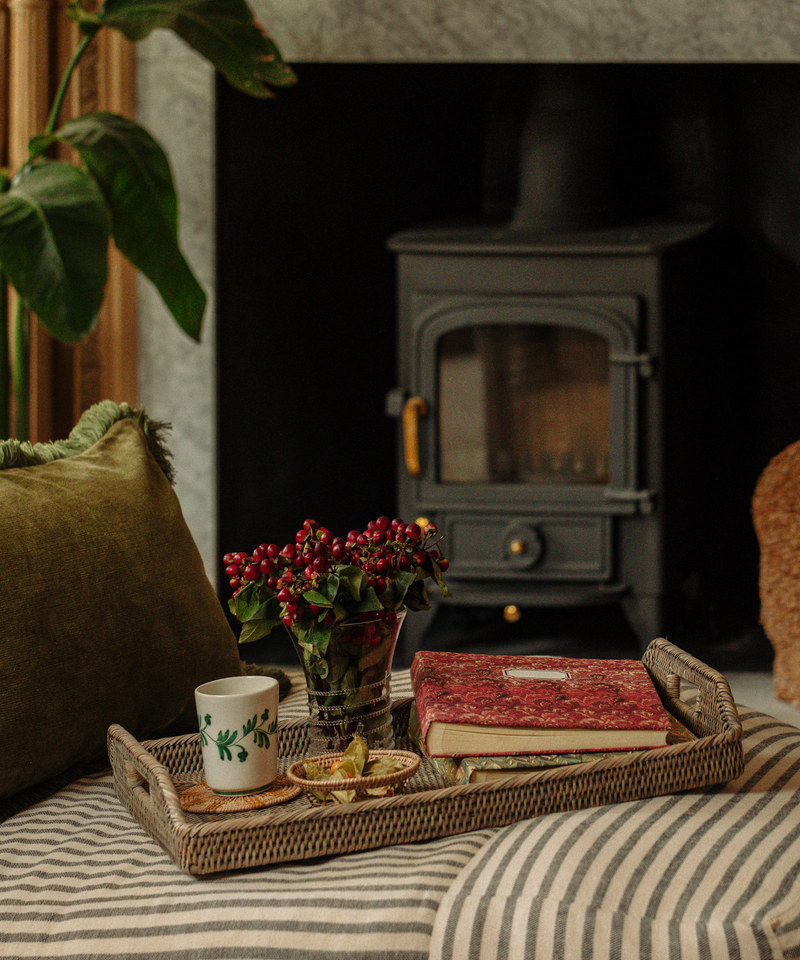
(54, 233)
(134, 177)
(55, 217)
(223, 31)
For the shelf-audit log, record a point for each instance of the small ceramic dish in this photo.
(362, 785)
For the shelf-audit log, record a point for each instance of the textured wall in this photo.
(175, 91)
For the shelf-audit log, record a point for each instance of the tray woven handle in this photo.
(714, 711)
(146, 777)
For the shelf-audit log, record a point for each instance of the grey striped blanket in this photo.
(707, 874)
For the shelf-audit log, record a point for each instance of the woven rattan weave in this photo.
(396, 781)
(776, 518)
(148, 776)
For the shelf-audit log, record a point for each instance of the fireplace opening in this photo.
(311, 187)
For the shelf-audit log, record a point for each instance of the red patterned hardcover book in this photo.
(484, 704)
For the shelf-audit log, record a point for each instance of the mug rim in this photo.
(250, 684)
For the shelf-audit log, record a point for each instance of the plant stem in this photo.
(63, 86)
(22, 370)
(5, 371)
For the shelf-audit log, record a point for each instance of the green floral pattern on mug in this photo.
(229, 740)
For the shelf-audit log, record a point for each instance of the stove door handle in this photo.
(413, 409)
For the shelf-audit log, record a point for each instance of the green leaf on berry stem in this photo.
(339, 661)
(244, 603)
(437, 576)
(353, 579)
(314, 596)
(402, 583)
(329, 587)
(369, 601)
(416, 597)
(258, 618)
(341, 612)
(254, 630)
(321, 637)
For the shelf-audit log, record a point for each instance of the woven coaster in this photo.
(202, 799)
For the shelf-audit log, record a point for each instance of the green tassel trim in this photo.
(92, 426)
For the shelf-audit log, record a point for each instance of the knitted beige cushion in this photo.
(776, 517)
(106, 612)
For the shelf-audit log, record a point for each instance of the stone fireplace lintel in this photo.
(532, 30)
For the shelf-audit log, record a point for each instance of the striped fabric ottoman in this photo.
(711, 873)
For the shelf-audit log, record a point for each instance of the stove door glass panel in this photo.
(524, 403)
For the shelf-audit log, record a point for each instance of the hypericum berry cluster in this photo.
(390, 554)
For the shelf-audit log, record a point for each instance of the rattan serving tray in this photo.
(148, 777)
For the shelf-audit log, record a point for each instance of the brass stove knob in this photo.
(521, 545)
(512, 613)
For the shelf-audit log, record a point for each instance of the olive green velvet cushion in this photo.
(106, 612)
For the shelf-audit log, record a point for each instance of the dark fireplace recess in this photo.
(629, 222)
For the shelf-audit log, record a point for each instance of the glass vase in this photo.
(354, 696)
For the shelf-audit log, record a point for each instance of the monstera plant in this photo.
(56, 217)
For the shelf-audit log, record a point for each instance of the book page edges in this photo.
(465, 740)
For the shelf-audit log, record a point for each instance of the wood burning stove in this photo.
(551, 423)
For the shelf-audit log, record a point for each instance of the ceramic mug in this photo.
(238, 718)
